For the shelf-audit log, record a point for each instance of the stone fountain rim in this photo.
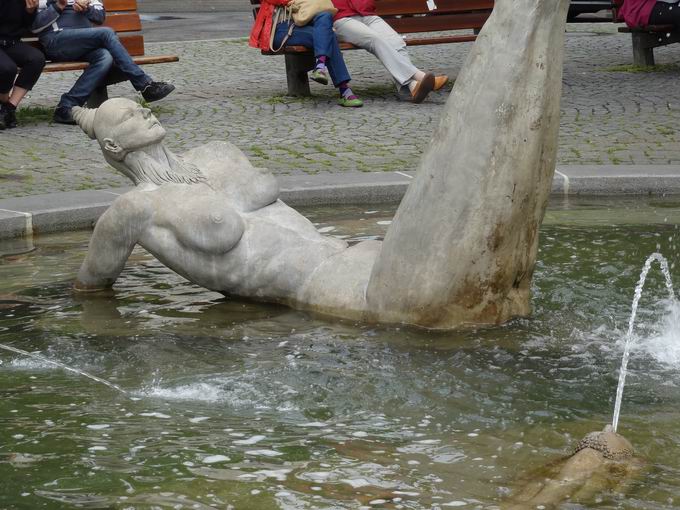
(79, 210)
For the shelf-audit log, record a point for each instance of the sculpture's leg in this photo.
(297, 67)
(463, 243)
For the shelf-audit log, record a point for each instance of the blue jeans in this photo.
(318, 35)
(102, 49)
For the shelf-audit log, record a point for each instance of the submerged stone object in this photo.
(463, 244)
(601, 460)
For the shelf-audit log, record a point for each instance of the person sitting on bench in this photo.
(317, 34)
(16, 17)
(640, 13)
(65, 29)
(356, 22)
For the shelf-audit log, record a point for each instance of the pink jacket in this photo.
(347, 8)
(636, 12)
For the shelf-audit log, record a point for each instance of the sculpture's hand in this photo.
(80, 286)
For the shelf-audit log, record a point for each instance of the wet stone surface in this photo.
(228, 91)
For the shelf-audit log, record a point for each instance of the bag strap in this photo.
(280, 15)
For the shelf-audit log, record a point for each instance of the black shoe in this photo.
(63, 115)
(7, 117)
(157, 90)
(10, 115)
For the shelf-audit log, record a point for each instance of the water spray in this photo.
(63, 366)
(631, 322)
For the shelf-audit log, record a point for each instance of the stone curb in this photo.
(75, 210)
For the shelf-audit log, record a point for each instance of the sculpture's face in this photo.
(136, 127)
(124, 126)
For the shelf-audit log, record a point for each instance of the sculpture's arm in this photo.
(114, 237)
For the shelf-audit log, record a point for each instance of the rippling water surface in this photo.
(238, 405)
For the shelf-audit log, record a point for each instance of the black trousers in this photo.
(20, 55)
(665, 14)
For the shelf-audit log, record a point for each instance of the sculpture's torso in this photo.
(272, 252)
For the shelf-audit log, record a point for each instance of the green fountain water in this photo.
(241, 405)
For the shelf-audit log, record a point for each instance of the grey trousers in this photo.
(374, 35)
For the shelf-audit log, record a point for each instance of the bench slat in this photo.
(54, 67)
(134, 44)
(412, 41)
(123, 22)
(648, 28)
(407, 7)
(422, 41)
(120, 5)
(407, 25)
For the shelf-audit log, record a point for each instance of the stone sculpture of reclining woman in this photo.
(461, 249)
(213, 218)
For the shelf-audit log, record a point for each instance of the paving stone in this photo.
(228, 91)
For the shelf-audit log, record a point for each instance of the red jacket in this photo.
(636, 12)
(262, 28)
(347, 8)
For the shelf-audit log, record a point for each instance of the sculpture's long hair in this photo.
(156, 165)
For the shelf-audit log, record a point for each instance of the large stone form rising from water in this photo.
(463, 244)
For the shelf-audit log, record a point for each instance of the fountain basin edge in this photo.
(77, 210)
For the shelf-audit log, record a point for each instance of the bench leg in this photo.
(297, 67)
(97, 97)
(643, 53)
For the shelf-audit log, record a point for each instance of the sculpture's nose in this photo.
(146, 112)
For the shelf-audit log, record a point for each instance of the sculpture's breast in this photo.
(199, 221)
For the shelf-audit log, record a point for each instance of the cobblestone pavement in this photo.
(228, 91)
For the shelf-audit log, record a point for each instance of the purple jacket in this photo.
(636, 12)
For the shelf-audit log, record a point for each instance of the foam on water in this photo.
(203, 392)
(32, 364)
(664, 347)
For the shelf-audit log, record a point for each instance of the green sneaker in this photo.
(350, 101)
(319, 76)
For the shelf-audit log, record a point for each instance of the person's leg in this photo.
(151, 90)
(326, 43)
(379, 39)
(318, 35)
(122, 59)
(302, 36)
(8, 71)
(31, 62)
(100, 61)
(74, 44)
(665, 14)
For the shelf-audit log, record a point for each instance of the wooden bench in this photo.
(645, 39)
(121, 16)
(406, 17)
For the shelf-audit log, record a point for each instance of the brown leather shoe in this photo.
(440, 81)
(422, 88)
